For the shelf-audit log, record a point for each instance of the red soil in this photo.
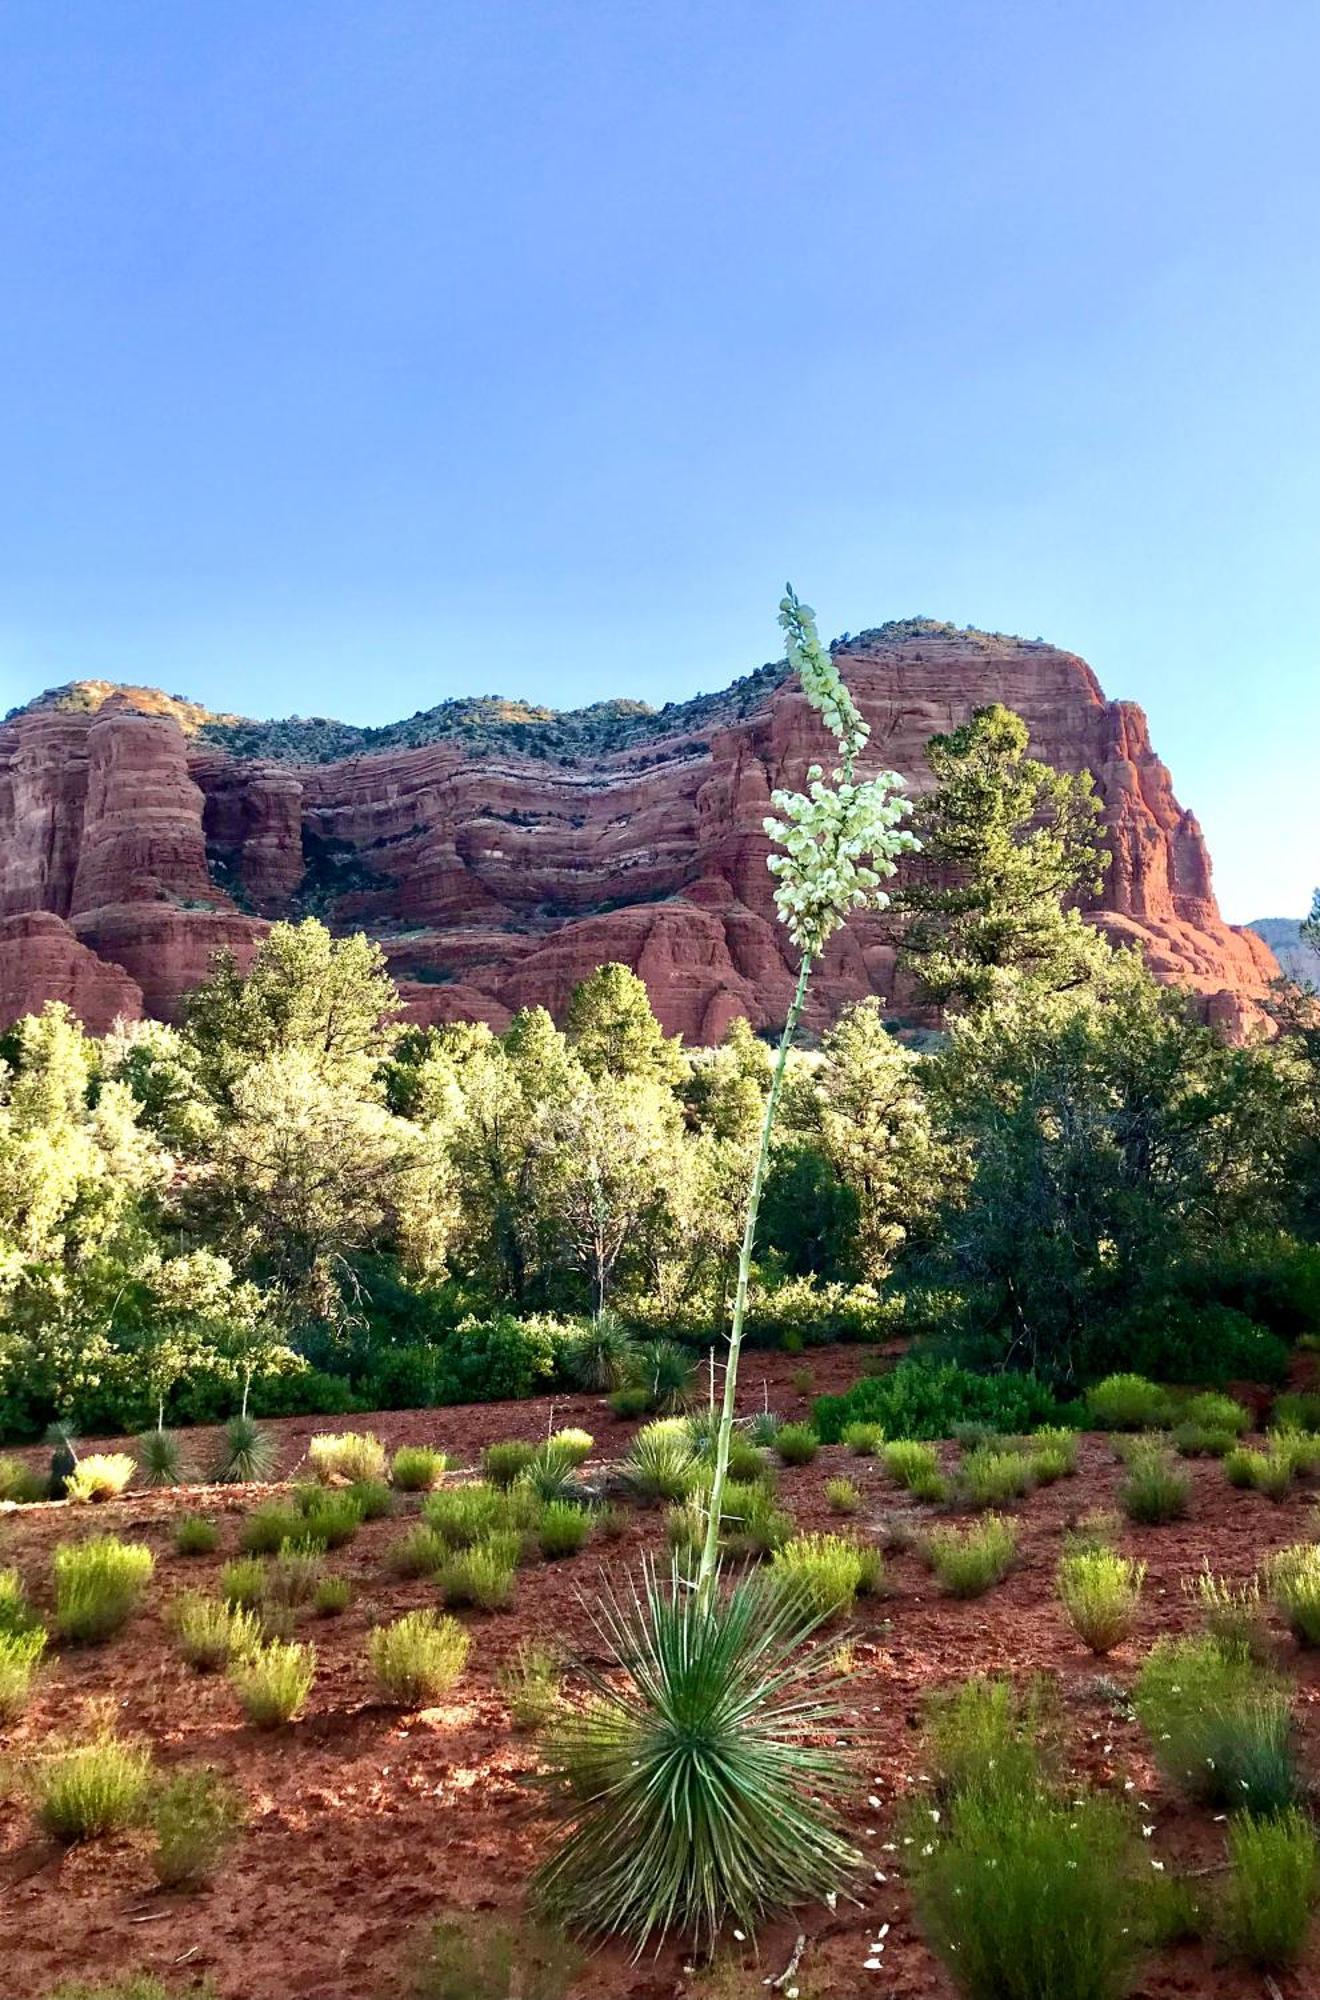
(364, 1825)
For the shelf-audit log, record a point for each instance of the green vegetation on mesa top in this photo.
(484, 723)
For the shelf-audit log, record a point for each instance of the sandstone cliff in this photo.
(500, 853)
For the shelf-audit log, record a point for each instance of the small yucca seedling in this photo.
(531, 1684)
(1294, 1580)
(243, 1581)
(821, 1573)
(333, 1595)
(83, 1790)
(1218, 1725)
(503, 1463)
(418, 1657)
(210, 1633)
(843, 1496)
(98, 1586)
(1233, 1613)
(418, 1468)
(796, 1444)
(482, 1575)
(763, 1429)
(667, 1372)
(1155, 1490)
(102, 1475)
(550, 1475)
(20, 1656)
(273, 1683)
(990, 1478)
(245, 1454)
(906, 1462)
(969, 1561)
(196, 1818)
(420, 1552)
(194, 1535)
(1265, 1915)
(565, 1528)
(160, 1458)
(1101, 1592)
(347, 1455)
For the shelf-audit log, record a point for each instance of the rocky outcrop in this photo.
(495, 878)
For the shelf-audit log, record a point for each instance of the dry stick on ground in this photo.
(792, 1965)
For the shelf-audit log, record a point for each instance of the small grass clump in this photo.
(746, 1463)
(419, 1552)
(573, 1443)
(503, 1463)
(1218, 1725)
(332, 1596)
(273, 1682)
(751, 1525)
(661, 1464)
(83, 1790)
(564, 1529)
(464, 1515)
(102, 1475)
(346, 1455)
(823, 1573)
(910, 1463)
(862, 1440)
(246, 1454)
(1101, 1592)
(196, 1818)
(1268, 1472)
(243, 1581)
(1053, 1453)
(293, 1578)
(531, 1684)
(210, 1633)
(1215, 1412)
(330, 1520)
(1233, 1613)
(160, 1458)
(632, 1399)
(1274, 1873)
(1202, 1441)
(796, 1444)
(990, 1478)
(1294, 1582)
(1128, 1403)
(417, 1468)
(21, 1654)
(481, 1575)
(843, 1496)
(194, 1535)
(98, 1586)
(373, 1498)
(985, 1725)
(268, 1528)
(418, 1657)
(969, 1561)
(484, 1960)
(1155, 1489)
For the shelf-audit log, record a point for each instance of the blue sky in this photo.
(356, 355)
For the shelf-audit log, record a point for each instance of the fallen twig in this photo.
(792, 1965)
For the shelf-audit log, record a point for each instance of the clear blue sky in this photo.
(356, 355)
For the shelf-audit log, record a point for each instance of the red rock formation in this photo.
(494, 880)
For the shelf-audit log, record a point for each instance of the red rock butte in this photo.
(499, 853)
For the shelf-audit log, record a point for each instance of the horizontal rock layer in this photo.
(130, 852)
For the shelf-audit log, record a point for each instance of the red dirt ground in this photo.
(364, 1825)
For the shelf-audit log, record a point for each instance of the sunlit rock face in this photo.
(499, 866)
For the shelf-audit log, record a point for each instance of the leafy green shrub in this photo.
(273, 1682)
(160, 1458)
(210, 1633)
(530, 1684)
(245, 1454)
(906, 1461)
(503, 1463)
(989, 1478)
(694, 1784)
(333, 1594)
(481, 1575)
(660, 1464)
(194, 1535)
(1218, 1725)
(98, 1586)
(100, 1476)
(195, 1817)
(821, 1573)
(564, 1530)
(1155, 1490)
(843, 1496)
(1233, 1613)
(1022, 1893)
(1294, 1578)
(420, 1552)
(968, 1561)
(1274, 1862)
(923, 1399)
(268, 1528)
(83, 1790)
(1101, 1593)
(483, 1960)
(348, 1455)
(418, 1657)
(863, 1440)
(20, 1656)
(243, 1581)
(1128, 1403)
(797, 1444)
(1213, 1412)
(418, 1468)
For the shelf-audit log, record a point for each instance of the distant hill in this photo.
(1283, 935)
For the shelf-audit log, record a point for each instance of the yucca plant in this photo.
(552, 1473)
(660, 1464)
(245, 1453)
(1101, 1592)
(667, 1372)
(602, 1356)
(160, 1458)
(693, 1789)
(418, 1657)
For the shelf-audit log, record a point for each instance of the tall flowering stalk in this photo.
(839, 841)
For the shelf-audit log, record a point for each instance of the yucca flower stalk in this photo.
(840, 841)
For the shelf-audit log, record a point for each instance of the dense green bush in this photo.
(923, 1399)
